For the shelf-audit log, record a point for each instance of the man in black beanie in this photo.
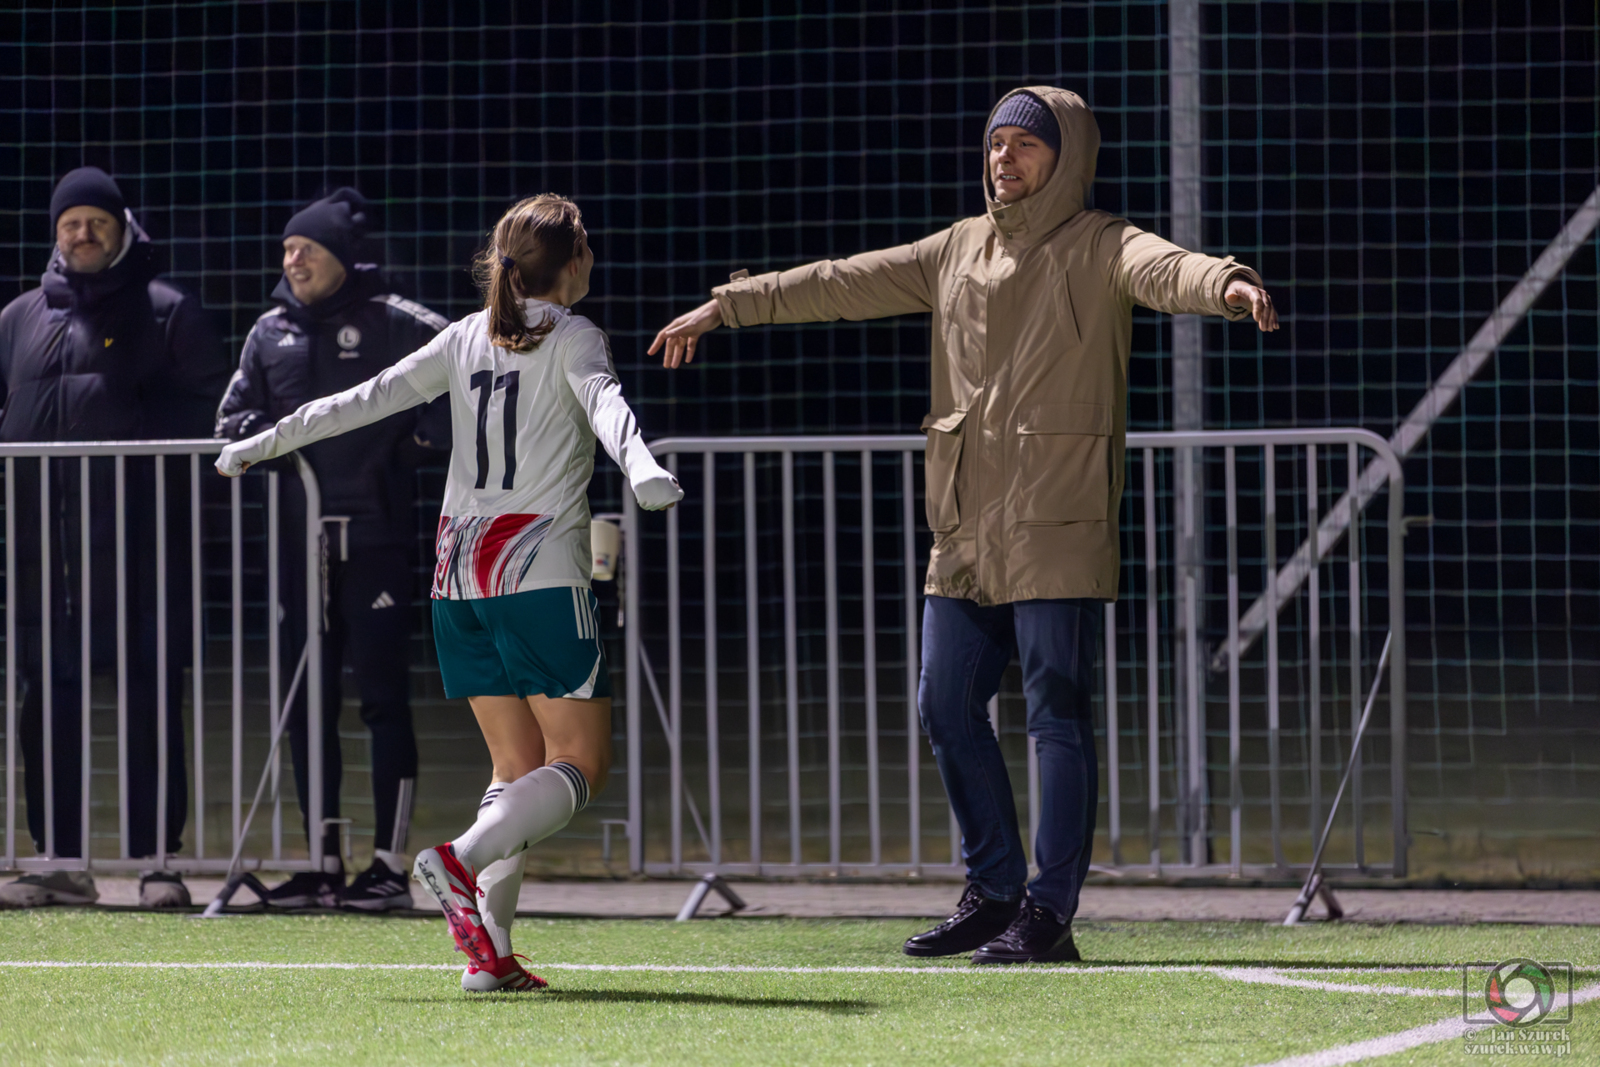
(103, 350)
(336, 324)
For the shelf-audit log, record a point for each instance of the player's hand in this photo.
(659, 493)
(229, 465)
(1241, 293)
(677, 339)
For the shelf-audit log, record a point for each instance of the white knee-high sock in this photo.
(501, 881)
(527, 810)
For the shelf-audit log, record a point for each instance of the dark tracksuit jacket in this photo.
(295, 354)
(116, 355)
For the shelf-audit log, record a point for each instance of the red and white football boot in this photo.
(448, 881)
(504, 975)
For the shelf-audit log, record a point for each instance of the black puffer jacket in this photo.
(295, 354)
(118, 355)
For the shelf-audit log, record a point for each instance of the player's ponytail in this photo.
(532, 243)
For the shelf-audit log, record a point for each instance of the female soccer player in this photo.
(532, 388)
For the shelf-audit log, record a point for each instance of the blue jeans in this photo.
(965, 649)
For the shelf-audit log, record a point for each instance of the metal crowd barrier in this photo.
(655, 849)
(203, 855)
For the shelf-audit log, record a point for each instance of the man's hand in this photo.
(679, 336)
(1241, 292)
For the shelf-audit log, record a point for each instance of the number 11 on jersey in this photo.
(480, 382)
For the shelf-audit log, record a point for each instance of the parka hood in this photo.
(1033, 218)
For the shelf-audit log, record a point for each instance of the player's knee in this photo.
(598, 768)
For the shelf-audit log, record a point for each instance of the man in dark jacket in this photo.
(335, 325)
(103, 350)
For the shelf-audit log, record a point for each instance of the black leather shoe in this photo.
(1036, 936)
(976, 920)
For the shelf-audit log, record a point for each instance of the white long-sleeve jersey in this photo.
(524, 424)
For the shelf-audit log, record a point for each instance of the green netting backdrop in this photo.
(1391, 169)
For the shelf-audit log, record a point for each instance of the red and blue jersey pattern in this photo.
(486, 555)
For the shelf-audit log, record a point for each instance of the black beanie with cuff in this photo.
(87, 187)
(337, 222)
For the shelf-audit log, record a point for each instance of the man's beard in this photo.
(76, 257)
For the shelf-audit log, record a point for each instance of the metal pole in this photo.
(1188, 413)
(1397, 668)
(1235, 785)
(1314, 654)
(11, 662)
(1354, 541)
(162, 652)
(47, 656)
(236, 545)
(1193, 688)
(1152, 618)
(752, 655)
(630, 632)
(85, 661)
(314, 614)
(830, 604)
(274, 650)
(908, 556)
(122, 653)
(708, 539)
(197, 656)
(1274, 707)
(791, 671)
(869, 638)
(674, 682)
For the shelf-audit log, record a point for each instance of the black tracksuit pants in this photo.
(369, 625)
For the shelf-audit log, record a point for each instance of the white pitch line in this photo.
(1263, 976)
(1274, 976)
(1389, 1044)
(639, 968)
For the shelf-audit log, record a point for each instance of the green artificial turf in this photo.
(1031, 1015)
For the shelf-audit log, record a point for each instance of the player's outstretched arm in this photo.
(677, 338)
(389, 393)
(1241, 293)
(593, 380)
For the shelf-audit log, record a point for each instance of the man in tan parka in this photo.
(1032, 308)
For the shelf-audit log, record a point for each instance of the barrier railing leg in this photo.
(236, 877)
(702, 888)
(1314, 886)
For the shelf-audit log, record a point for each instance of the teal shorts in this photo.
(543, 641)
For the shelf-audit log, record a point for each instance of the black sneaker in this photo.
(163, 889)
(377, 889)
(976, 920)
(1036, 936)
(308, 889)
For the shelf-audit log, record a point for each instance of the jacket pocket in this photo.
(1063, 463)
(1066, 314)
(948, 313)
(941, 464)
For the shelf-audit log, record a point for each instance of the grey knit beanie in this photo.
(1032, 114)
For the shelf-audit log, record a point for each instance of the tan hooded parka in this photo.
(1032, 317)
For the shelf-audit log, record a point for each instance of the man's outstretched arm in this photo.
(872, 285)
(1157, 274)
